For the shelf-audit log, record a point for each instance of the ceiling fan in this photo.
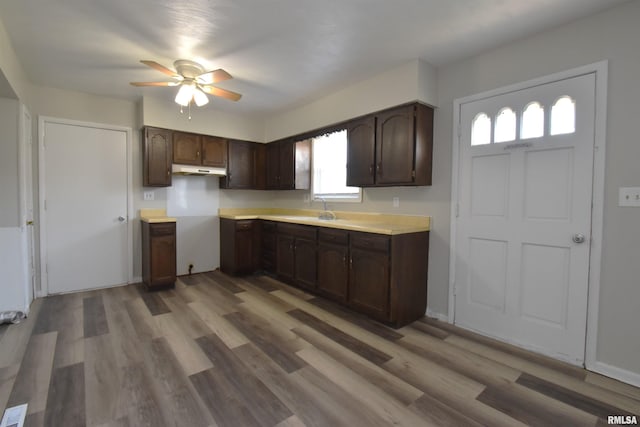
(193, 80)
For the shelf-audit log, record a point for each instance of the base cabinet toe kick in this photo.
(381, 276)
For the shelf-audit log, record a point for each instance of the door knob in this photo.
(121, 218)
(578, 238)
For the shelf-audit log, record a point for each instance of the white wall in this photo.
(612, 35)
(12, 279)
(414, 81)
(9, 183)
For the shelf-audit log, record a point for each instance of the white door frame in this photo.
(600, 121)
(25, 164)
(42, 121)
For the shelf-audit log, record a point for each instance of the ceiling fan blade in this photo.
(154, 83)
(214, 76)
(216, 91)
(161, 68)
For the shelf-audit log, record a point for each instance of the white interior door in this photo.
(523, 231)
(85, 207)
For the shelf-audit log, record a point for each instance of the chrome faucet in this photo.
(325, 214)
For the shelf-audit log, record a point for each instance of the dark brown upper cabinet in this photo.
(214, 151)
(157, 157)
(391, 148)
(361, 152)
(288, 165)
(195, 149)
(246, 164)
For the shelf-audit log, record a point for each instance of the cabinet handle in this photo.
(379, 168)
(344, 260)
(168, 172)
(370, 169)
(351, 262)
(197, 154)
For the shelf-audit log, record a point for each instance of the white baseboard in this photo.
(439, 316)
(137, 279)
(620, 374)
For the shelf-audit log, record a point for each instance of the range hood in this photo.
(197, 170)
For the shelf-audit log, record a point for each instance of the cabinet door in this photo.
(214, 151)
(157, 158)
(245, 250)
(240, 168)
(361, 140)
(163, 259)
(333, 271)
(186, 148)
(305, 263)
(259, 166)
(285, 261)
(369, 283)
(395, 147)
(269, 246)
(287, 160)
(273, 166)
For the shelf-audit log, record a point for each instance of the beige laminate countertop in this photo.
(155, 216)
(355, 221)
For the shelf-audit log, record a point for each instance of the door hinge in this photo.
(457, 210)
(45, 204)
(459, 131)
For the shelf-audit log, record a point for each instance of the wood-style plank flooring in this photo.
(252, 351)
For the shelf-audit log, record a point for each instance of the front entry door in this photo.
(524, 221)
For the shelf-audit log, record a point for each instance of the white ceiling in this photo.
(282, 53)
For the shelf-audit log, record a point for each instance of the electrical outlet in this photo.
(396, 202)
(629, 196)
(149, 195)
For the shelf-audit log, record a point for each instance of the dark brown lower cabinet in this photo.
(383, 276)
(240, 252)
(369, 282)
(333, 271)
(333, 263)
(285, 263)
(159, 254)
(296, 254)
(269, 246)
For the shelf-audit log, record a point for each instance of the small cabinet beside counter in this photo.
(158, 254)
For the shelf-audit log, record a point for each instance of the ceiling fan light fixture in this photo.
(185, 94)
(200, 97)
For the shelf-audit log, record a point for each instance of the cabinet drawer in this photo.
(162, 229)
(331, 235)
(246, 224)
(304, 231)
(376, 242)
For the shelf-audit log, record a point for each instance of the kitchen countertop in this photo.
(355, 221)
(155, 216)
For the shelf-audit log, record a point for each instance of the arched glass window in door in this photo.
(481, 130)
(505, 125)
(563, 116)
(532, 121)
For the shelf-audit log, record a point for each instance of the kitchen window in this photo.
(330, 169)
